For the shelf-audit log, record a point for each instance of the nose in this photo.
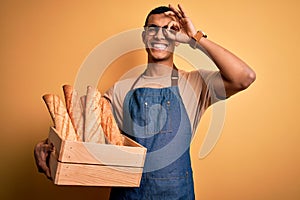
(160, 34)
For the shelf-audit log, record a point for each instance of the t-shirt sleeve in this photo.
(109, 94)
(204, 83)
(116, 95)
(215, 85)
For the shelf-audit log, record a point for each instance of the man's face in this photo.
(158, 46)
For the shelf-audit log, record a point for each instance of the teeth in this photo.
(160, 46)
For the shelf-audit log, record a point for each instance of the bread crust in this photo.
(93, 131)
(60, 117)
(74, 109)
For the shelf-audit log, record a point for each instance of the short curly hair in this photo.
(157, 10)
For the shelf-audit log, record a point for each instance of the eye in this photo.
(152, 30)
(174, 28)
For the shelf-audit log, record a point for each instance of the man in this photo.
(161, 108)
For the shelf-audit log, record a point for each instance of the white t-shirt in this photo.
(195, 87)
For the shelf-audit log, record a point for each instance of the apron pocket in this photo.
(158, 118)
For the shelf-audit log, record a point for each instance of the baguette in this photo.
(93, 131)
(109, 125)
(75, 109)
(60, 117)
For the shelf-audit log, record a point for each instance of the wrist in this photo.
(195, 40)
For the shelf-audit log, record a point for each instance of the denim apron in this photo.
(157, 119)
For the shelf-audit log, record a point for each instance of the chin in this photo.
(159, 55)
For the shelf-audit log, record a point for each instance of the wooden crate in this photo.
(92, 164)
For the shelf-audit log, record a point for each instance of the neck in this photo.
(159, 68)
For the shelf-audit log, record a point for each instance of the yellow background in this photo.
(43, 44)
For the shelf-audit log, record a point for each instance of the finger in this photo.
(169, 13)
(183, 13)
(42, 150)
(48, 148)
(172, 8)
(43, 145)
(172, 15)
(177, 12)
(48, 174)
(174, 26)
(169, 33)
(41, 154)
(43, 167)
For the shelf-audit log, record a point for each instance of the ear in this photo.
(144, 37)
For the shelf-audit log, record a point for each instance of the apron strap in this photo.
(174, 76)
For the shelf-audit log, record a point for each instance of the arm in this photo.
(236, 74)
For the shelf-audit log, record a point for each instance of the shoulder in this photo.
(199, 75)
(119, 88)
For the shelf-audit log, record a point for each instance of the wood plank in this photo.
(96, 175)
(92, 164)
(54, 167)
(94, 153)
(132, 143)
(55, 139)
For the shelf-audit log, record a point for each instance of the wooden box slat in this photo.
(92, 164)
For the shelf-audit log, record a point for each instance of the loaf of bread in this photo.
(92, 127)
(60, 117)
(75, 109)
(109, 125)
(87, 118)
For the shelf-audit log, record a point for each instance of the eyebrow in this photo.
(154, 25)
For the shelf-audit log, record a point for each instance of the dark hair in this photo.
(158, 10)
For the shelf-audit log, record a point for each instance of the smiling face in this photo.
(158, 46)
